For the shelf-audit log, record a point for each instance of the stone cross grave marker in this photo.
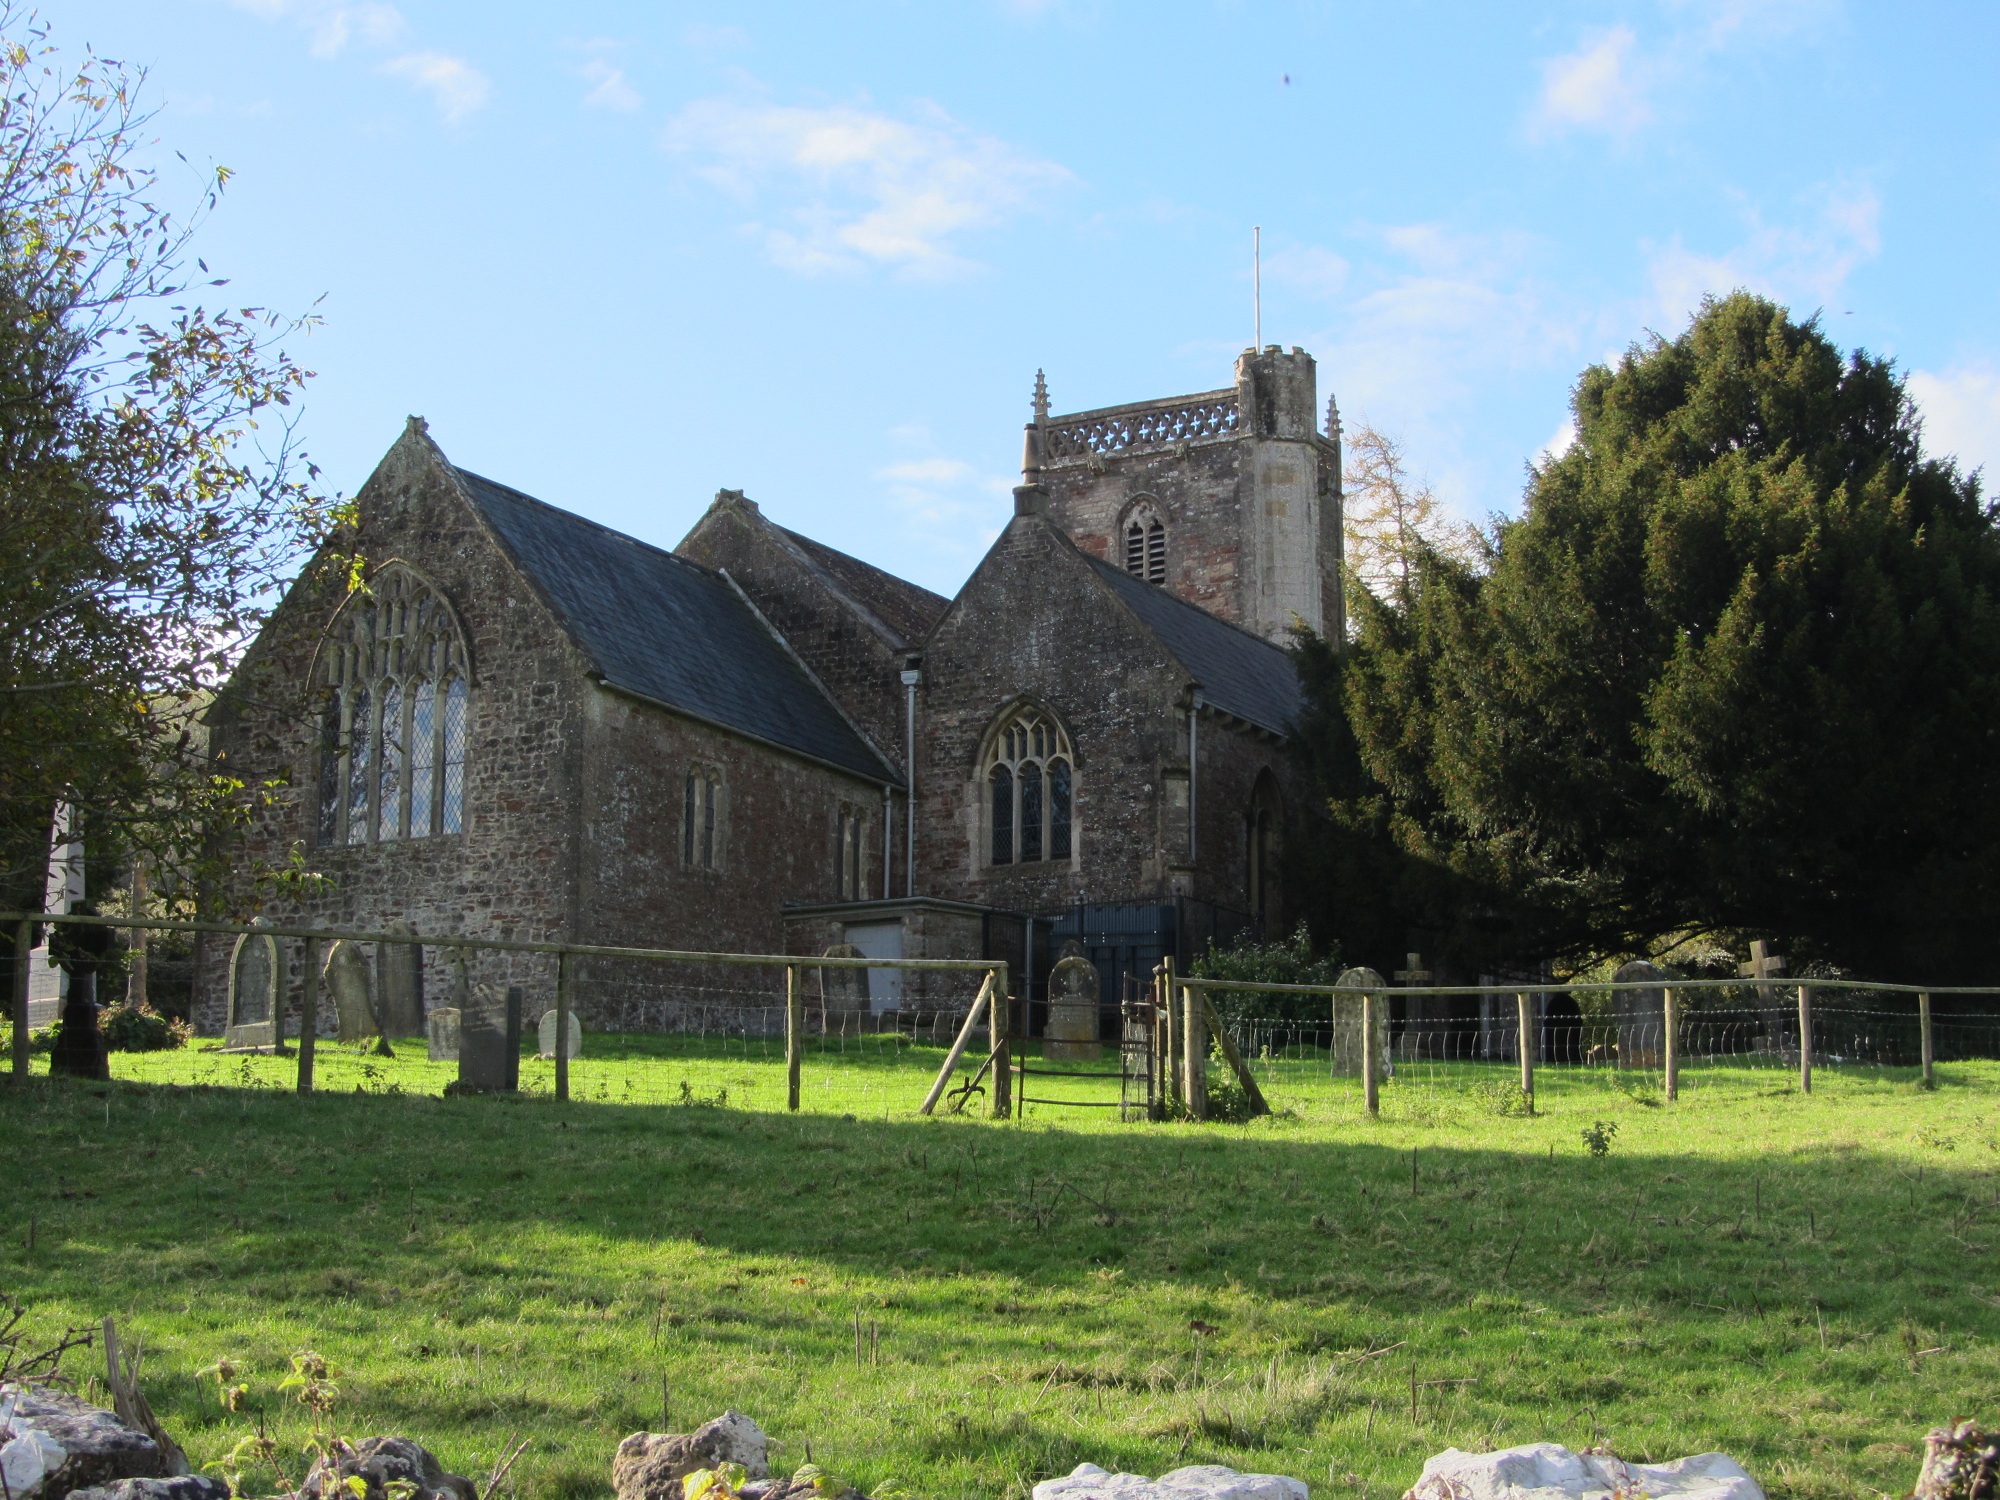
(482, 1043)
(1764, 964)
(546, 1035)
(843, 990)
(254, 1021)
(1072, 1028)
(399, 989)
(1347, 1039)
(352, 987)
(441, 1027)
(1642, 1016)
(1415, 1007)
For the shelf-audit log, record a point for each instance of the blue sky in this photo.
(622, 255)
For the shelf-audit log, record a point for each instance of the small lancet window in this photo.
(700, 816)
(1030, 800)
(1146, 545)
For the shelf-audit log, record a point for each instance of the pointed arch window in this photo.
(1030, 791)
(1146, 544)
(392, 766)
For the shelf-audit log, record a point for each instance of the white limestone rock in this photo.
(1549, 1471)
(1196, 1482)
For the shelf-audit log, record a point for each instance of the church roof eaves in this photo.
(1240, 674)
(668, 631)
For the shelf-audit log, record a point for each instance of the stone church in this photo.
(524, 724)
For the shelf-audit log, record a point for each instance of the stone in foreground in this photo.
(1196, 1482)
(52, 1444)
(1549, 1471)
(382, 1462)
(651, 1465)
(180, 1487)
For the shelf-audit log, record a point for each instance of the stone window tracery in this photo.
(391, 765)
(1029, 779)
(1146, 544)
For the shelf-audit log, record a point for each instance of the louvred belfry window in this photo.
(393, 675)
(1146, 545)
(1030, 803)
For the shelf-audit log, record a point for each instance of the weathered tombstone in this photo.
(253, 994)
(81, 949)
(441, 1026)
(1642, 1016)
(844, 992)
(352, 987)
(1348, 1049)
(546, 1034)
(482, 1043)
(399, 986)
(1071, 1035)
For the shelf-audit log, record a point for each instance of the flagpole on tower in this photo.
(1257, 283)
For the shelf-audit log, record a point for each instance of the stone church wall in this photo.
(508, 874)
(1035, 621)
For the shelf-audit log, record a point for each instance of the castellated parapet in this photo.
(1244, 487)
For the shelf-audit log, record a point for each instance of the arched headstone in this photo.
(546, 1035)
(352, 988)
(1073, 1002)
(1348, 1044)
(254, 967)
(843, 990)
(399, 988)
(1642, 1016)
(441, 1030)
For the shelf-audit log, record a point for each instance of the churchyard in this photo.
(959, 1307)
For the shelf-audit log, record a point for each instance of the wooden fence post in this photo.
(1194, 1053)
(24, 943)
(1524, 1006)
(794, 1038)
(1670, 1019)
(1805, 1038)
(1924, 1029)
(1170, 1035)
(1244, 1077)
(1371, 1086)
(308, 1014)
(999, 1023)
(565, 977)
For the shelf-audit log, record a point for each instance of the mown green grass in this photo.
(1806, 1283)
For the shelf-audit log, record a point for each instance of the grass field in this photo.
(1806, 1283)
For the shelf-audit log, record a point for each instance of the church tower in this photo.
(1230, 499)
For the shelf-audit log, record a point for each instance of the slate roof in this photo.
(661, 627)
(907, 608)
(1240, 673)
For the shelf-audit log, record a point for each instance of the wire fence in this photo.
(856, 1035)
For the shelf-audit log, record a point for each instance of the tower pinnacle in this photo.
(1041, 398)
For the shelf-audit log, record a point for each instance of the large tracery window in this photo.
(392, 728)
(1028, 785)
(1146, 544)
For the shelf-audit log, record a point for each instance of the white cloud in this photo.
(457, 87)
(1560, 442)
(1309, 269)
(859, 186)
(1595, 87)
(332, 24)
(946, 505)
(1961, 412)
(1805, 262)
(610, 89)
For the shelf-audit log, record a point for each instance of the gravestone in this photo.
(843, 990)
(546, 1034)
(442, 1028)
(351, 986)
(1642, 1016)
(1071, 1035)
(482, 1043)
(1347, 1040)
(399, 985)
(254, 1020)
